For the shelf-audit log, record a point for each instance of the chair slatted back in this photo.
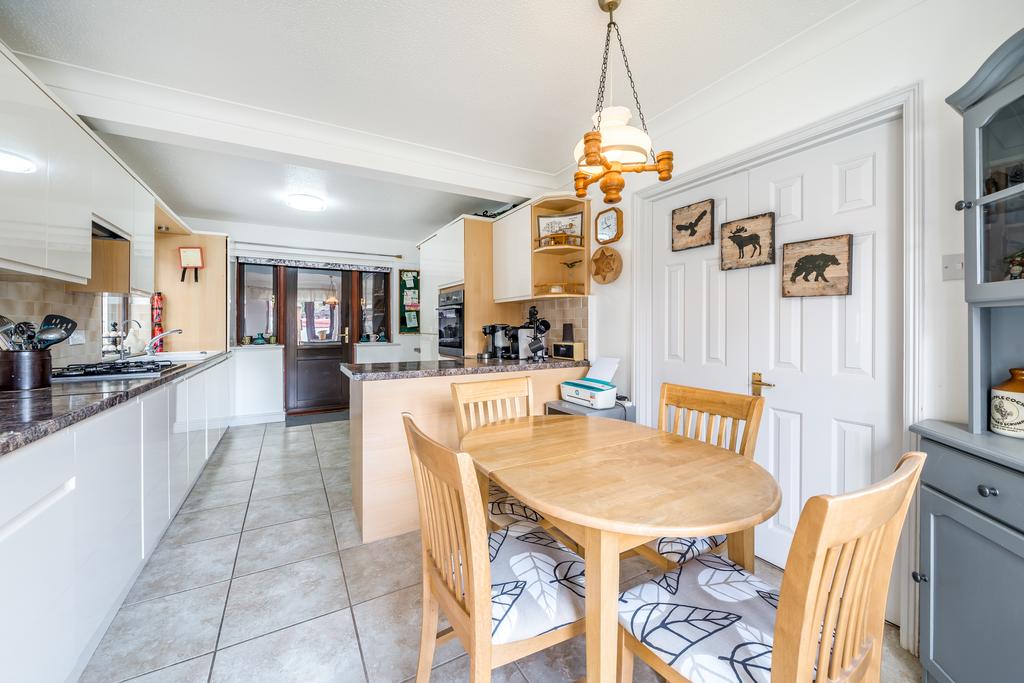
(481, 403)
(715, 417)
(832, 607)
(453, 534)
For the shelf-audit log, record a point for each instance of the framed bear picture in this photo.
(820, 267)
(693, 225)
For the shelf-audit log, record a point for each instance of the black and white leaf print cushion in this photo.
(709, 619)
(681, 550)
(506, 509)
(536, 583)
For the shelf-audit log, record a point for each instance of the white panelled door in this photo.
(832, 422)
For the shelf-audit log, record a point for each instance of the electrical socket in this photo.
(77, 337)
(952, 266)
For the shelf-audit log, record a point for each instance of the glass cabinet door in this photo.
(994, 178)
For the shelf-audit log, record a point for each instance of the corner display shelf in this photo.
(549, 262)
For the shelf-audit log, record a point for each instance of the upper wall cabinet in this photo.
(512, 253)
(143, 239)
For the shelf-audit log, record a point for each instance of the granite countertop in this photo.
(450, 367)
(1002, 450)
(27, 416)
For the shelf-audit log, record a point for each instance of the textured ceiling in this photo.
(221, 186)
(510, 82)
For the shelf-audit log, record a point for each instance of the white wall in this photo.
(309, 245)
(873, 48)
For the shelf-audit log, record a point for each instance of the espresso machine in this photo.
(499, 345)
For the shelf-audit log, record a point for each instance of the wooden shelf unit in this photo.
(548, 261)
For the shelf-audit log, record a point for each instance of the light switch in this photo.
(952, 266)
(77, 337)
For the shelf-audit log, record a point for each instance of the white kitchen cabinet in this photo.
(37, 569)
(113, 192)
(513, 256)
(177, 421)
(143, 239)
(197, 453)
(218, 402)
(156, 437)
(108, 518)
(441, 264)
(69, 197)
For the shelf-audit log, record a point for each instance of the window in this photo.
(374, 318)
(320, 305)
(256, 301)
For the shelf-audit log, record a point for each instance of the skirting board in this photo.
(256, 418)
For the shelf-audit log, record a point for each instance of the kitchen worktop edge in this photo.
(372, 372)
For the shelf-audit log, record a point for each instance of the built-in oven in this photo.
(450, 323)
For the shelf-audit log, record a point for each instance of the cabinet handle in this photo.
(918, 577)
(963, 204)
(986, 491)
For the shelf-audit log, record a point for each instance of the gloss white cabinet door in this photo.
(197, 453)
(219, 381)
(69, 197)
(113, 192)
(156, 437)
(512, 257)
(177, 422)
(108, 519)
(143, 239)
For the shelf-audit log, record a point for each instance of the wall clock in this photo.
(608, 226)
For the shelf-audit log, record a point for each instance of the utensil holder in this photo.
(25, 370)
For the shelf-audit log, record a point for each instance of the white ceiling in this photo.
(506, 81)
(222, 186)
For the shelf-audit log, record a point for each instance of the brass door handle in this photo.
(756, 383)
(345, 337)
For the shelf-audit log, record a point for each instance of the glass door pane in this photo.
(319, 307)
(1002, 149)
(374, 307)
(1003, 238)
(257, 301)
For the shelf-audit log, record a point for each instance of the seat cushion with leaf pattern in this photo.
(536, 583)
(709, 619)
(680, 550)
(506, 509)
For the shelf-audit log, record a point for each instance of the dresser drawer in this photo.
(967, 478)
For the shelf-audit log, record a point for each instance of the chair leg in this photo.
(625, 660)
(479, 668)
(428, 634)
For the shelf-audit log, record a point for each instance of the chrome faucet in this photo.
(151, 346)
(126, 326)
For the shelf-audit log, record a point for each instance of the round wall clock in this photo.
(605, 265)
(608, 226)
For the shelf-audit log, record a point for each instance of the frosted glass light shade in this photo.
(619, 141)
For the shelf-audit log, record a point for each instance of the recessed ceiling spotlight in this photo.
(15, 163)
(305, 202)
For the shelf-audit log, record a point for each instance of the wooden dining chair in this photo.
(477, 404)
(721, 419)
(506, 594)
(709, 619)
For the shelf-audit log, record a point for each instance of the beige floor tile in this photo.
(189, 527)
(323, 649)
(204, 497)
(568, 662)
(175, 568)
(286, 465)
(281, 484)
(457, 671)
(226, 473)
(235, 456)
(273, 599)
(192, 671)
(334, 458)
(389, 634)
(340, 497)
(157, 633)
(375, 569)
(287, 508)
(346, 529)
(336, 477)
(281, 544)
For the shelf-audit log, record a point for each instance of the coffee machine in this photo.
(498, 342)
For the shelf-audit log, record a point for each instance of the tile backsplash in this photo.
(558, 311)
(30, 297)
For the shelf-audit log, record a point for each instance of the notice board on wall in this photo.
(408, 302)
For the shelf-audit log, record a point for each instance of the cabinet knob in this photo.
(963, 204)
(918, 577)
(986, 491)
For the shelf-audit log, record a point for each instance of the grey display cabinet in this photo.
(971, 564)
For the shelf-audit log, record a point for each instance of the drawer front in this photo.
(966, 478)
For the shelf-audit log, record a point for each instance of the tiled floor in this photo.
(262, 577)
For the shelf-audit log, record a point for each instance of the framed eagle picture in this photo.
(693, 225)
(820, 267)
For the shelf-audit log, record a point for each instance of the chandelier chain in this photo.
(629, 75)
(604, 76)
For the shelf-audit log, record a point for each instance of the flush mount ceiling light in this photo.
(305, 202)
(15, 163)
(614, 147)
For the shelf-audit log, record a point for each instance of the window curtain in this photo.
(307, 309)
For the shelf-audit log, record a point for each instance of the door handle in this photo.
(345, 335)
(756, 383)
(918, 577)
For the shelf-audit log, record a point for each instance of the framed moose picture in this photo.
(748, 242)
(820, 267)
(693, 225)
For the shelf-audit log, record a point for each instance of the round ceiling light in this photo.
(15, 163)
(305, 202)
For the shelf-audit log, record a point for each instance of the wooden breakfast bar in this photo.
(383, 490)
(612, 486)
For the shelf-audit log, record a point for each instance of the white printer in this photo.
(596, 389)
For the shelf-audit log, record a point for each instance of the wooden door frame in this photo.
(903, 105)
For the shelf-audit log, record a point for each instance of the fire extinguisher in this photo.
(156, 306)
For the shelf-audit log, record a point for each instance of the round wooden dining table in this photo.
(610, 486)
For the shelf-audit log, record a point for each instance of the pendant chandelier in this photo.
(614, 147)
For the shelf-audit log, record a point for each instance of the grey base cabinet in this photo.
(972, 605)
